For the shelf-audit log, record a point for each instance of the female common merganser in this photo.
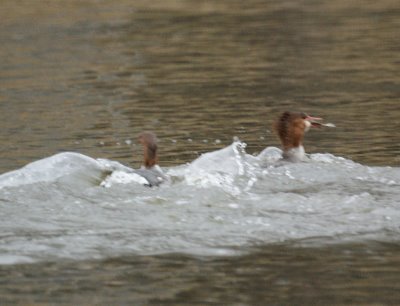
(150, 169)
(150, 174)
(149, 142)
(291, 128)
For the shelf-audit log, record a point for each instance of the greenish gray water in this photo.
(98, 73)
(278, 275)
(88, 76)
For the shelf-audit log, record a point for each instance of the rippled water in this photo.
(233, 225)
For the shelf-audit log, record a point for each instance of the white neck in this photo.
(295, 154)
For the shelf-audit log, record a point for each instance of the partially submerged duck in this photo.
(150, 174)
(150, 169)
(291, 128)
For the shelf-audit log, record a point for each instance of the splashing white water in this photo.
(221, 203)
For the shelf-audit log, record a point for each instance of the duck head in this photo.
(149, 142)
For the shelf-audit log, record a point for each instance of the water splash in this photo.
(221, 203)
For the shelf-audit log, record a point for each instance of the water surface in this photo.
(88, 76)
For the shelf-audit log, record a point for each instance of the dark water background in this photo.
(87, 76)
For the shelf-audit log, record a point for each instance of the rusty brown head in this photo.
(149, 142)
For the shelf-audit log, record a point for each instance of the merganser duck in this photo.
(149, 142)
(150, 174)
(291, 127)
(150, 169)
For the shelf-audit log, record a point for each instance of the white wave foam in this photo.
(52, 168)
(224, 199)
(121, 177)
